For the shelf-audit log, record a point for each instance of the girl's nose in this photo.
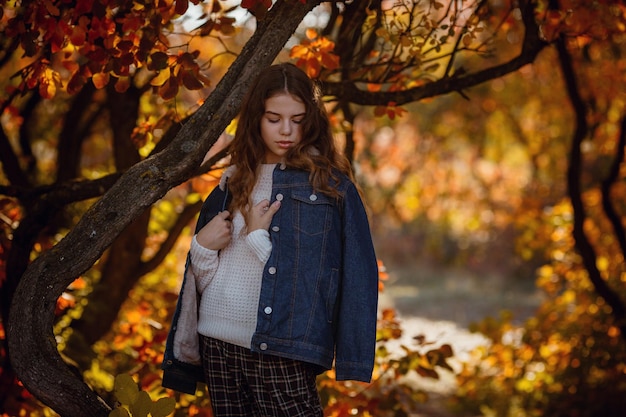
(285, 127)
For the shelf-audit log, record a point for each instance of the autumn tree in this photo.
(80, 73)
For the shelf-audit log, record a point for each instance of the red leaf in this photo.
(122, 84)
(158, 61)
(181, 6)
(169, 89)
(190, 81)
(76, 83)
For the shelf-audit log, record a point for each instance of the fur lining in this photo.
(228, 172)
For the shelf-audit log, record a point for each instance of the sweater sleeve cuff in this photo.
(259, 241)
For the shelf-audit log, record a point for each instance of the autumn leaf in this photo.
(169, 89)
(311, 33)
(48, 83)
(158, 61)
(122, 84)
(161, 77)
(190, 81)
(76, 83)
(100, 79)
(126, 389)
(313, 55)
(181, 7)
(78, 36)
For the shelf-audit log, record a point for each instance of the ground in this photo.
(441, 303)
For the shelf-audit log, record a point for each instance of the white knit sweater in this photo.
(230, 280)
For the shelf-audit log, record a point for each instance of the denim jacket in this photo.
(319, 291)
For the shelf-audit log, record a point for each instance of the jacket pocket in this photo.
(311, 212)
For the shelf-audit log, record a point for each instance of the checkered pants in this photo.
(243, 383)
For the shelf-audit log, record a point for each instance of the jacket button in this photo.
(275, 228)
(268, 310)
(279, 197)
(271, 270)
(263, 346)
(312, 197)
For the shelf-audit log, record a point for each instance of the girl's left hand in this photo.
(260, 216)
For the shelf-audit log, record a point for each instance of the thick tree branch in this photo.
(584, 247)
(32, 344)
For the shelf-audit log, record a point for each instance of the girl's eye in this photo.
(298, 121)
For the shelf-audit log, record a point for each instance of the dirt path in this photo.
(441, 304)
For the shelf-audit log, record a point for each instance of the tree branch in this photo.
(609, 209)
(584, 247)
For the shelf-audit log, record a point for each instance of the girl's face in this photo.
(281, 125)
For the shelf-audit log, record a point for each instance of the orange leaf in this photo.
(122, 84)
(100, 79)
(71, 66)
(330, 61)
(298, 51)
(78, 284)
(311, 33)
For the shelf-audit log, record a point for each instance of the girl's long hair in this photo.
(316, 153)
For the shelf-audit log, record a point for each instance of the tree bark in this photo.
(32, 345)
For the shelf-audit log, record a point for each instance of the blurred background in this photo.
(494, 186)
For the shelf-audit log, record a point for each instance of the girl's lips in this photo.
(284, 144)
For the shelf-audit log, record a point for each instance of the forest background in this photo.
(487, 136)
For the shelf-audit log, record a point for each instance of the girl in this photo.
(282, 262)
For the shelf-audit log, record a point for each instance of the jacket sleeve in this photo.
(358, 306)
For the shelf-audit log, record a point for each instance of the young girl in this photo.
(282, 263)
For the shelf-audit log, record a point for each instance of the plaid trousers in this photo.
(243, 383)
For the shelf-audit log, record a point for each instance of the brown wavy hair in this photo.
(316, 153)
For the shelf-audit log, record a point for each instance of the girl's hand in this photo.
(217, 233)
(260, 216)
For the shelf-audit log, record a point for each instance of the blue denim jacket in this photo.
(319, 291)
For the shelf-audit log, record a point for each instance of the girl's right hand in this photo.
(260, 216)
(217, 233)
